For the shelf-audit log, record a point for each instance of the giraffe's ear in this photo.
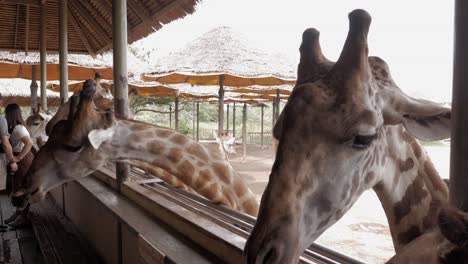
(98, 136)
(425, 120)
(453, 224)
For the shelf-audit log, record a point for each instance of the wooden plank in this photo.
(21, 2)
(140, 11)
(149, 254)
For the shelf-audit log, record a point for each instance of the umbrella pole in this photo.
(227, 119)
(193, 119)
(43, 59)
(273, 141)
(119, 39)
(244, 131)
(221, 107)
(198, 121)
(234, 120)
(170, 116)
(33, 88)
(176, 114)
(261, 130)
(63, 54)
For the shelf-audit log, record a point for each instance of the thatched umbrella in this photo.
(17, 91)
(222, 57)
(80, 66)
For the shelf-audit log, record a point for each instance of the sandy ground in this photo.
(363, 232)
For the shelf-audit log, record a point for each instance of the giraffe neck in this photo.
(410, 190)
(206, 172)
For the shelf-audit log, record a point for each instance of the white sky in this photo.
(414, 36)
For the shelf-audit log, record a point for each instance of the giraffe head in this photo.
(69, 154)
(447, 244)
(328, 133)
(36, 124)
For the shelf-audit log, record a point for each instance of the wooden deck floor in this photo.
(20, 245)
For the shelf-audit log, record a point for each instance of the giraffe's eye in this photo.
(362, 142)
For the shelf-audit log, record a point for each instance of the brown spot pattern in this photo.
(187, 170)
(221, 170)
(175, 155)
(179, 139)
(164, 133)
(417, 149)
(203, 179)
(198, 151)
(156, 146)
(413, 196)
(134, 138)
(406, 165)
(409, 235)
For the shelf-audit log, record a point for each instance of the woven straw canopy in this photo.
(261, 93)
(18, 91)
(222, 51)
(80, 66)
(89, 22)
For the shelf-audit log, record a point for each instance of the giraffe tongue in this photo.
(354, 54)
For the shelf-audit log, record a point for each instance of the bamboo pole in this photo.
(261, 129)
(244, 131)
(43, 57)
(119, 41)
(221, 107)
(198, 121)
(459, 115)
(63, 54)
(234, 119)
(193, 119)
(227, 118)
(33, 88)
(176, 114)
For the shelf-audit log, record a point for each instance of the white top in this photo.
(15, 138)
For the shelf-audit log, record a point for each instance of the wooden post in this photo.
(273, 121)
(198, 121)
(459, 115)
(193, 120)
(221, 106)
(33, 88)
(170, 116)
(176, 114)
(119, 41)
(227, 118)
(43, 57)
(244, 131)
(277, 104)
(261, 129)
(234, 120)
(63, 54)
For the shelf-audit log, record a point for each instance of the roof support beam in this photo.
(43, 56)
(119, 39)
(90, 19)
(80, 33)
(16, 25)
(63, 53)
(140, 11)
(459, 115)
(26, 38)
(22, 2)
(163, 10)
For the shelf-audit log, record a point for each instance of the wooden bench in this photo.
(59, 240)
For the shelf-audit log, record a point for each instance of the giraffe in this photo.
(347, 129)
(36, 124)
(446, 243)
(89, 138)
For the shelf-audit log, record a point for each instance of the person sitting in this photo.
(21, 143)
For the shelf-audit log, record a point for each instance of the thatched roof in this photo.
(80, 66)
(89, 22)
(223, 51)
(18, 91)
(190, 91)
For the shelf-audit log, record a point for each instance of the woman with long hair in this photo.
(21, 144)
